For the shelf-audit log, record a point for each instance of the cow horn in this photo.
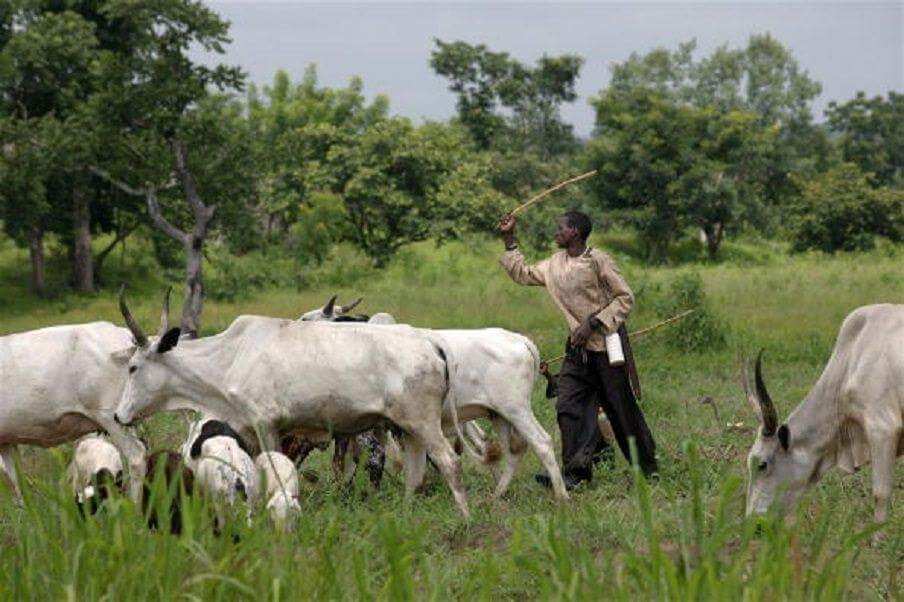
(344, 309)
(141, 339)
(164, 316)
(330, 305)
(745, 382)
(767, 408)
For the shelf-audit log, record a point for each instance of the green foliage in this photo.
(842, 211)
(872, 135)
(762, 80)
(701, 331)
(669, 165)
(486, 81)
(321, 223)
(392, 179)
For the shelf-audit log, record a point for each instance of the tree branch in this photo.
(188, 180)
(160, 221)
(117, 183)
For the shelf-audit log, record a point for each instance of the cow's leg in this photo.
(340, 451)
(511, 455)
(443, 455)
(8, 468)
(525, 424)
(883, 449)
(415, 459)
(394, 451)
(133, 449)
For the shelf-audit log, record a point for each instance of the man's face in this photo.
(564, 233)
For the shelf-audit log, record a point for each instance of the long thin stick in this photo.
(643, 331)
(549, 191)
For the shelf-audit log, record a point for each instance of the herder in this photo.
(588, 288)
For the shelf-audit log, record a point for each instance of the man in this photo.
(588, 288)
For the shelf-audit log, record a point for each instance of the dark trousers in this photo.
(584, 386)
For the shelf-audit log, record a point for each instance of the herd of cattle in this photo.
(269, 390)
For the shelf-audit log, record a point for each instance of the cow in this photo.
(166, 469)
(852, 416)
(281, 483)
(273, 375)
(61, 383)
(226, 474)
(492, 375)
(95, 470)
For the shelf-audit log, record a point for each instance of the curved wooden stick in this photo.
(549, 191)
(642, 331)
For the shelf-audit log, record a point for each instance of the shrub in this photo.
(701, 330)
(841, 211)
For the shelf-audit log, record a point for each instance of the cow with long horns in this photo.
(268, 375)
(852, 416)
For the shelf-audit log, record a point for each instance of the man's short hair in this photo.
(580, 221)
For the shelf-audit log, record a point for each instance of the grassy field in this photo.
(681, 537)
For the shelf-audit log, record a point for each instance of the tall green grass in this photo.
(682, 537)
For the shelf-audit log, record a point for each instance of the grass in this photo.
(682, 537)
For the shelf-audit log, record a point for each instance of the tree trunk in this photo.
(713, 234)
(82, 258)
(36, 251)
(194, 287)
(121, 235)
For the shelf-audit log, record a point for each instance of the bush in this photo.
(233, 277)
(841, 211)
(321, 224)
(701, 330)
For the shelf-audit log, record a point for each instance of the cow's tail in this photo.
(451, 397)
(534, 352)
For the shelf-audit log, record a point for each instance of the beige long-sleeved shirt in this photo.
(589, 284)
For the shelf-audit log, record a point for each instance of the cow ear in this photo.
(784, 436)
(123, 356)
(169, 340)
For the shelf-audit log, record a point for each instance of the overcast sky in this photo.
(848, 47)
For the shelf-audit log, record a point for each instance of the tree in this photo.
(872, 135)
(295, 126)
(842, 210)
(397, 181)
(46, 68)
(153, 104)
(762, 78)
(668, 165)
(485, 81)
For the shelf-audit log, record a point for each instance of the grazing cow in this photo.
(174, 478)
(277, 375)
(221, 463)
(61, 383)
(853, 415)
(492, 374)
(281, 482)
(96, 468)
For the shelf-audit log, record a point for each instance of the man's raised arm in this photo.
(513, 261)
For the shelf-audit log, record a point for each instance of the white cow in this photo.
(61, 383)
(96, 464)
(226, 474)
(492, 374)
(852, 416)
(281, 482)
(277, 375)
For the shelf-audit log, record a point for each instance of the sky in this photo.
(845, 46)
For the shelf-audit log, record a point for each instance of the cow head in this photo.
(778, 472)
(150, 381)
(330, 311)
